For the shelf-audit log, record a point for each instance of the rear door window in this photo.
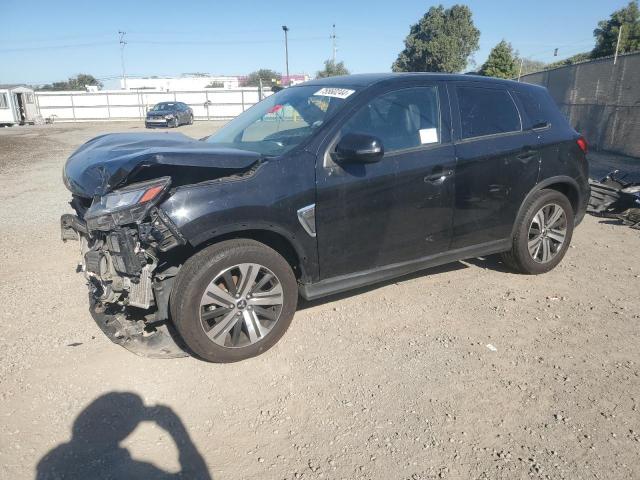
(486, 111)
(401, 119)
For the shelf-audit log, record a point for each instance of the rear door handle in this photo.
(527, 153)
(440, 176)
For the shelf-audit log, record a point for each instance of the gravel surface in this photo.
(465, 371)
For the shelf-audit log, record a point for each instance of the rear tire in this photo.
(542, 235)
(228, 322)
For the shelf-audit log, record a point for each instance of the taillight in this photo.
(582, 143)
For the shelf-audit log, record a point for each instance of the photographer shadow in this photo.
(94, 451)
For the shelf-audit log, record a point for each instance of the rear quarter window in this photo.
(538, 107)
(486, 111)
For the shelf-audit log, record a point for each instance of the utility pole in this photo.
(123, 42)
(520, 71)
(333, 40)
(615, 57)
(286, 52)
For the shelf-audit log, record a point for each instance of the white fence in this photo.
(127, 104)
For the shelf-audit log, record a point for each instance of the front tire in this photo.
(233, 300)
(542, 234)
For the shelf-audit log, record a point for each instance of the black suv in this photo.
(320, 188)
(169, 114)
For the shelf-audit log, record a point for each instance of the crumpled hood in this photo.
(112, 160)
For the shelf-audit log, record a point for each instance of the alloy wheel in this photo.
(241, 305)
(547, 233)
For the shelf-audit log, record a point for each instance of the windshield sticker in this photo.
(428, 135)
(334, 92)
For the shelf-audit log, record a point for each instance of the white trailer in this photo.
(17, 105)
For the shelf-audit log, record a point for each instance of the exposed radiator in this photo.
(140, 293)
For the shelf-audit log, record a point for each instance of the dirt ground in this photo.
(465, 371)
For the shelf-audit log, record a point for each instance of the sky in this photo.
(43, 41)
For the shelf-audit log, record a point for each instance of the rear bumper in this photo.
(582, 205)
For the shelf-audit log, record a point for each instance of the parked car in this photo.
(320, 188)
(169, 114)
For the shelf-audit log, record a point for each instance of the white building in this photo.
(184, 83)
(17, 105)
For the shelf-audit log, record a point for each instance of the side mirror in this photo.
(359, 148)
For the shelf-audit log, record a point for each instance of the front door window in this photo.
(401, 119)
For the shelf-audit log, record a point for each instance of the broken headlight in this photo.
(126, 205)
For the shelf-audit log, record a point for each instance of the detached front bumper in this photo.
(118, 302)
(133, 335)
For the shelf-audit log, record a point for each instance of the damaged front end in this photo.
(125, 240)
(130, 246)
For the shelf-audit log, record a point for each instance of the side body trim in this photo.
(350, 281)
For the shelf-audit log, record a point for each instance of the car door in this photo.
(398, 209)
(182, 111)
(497, 163)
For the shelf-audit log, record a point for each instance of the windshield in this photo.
(283, 120)
(161, 107)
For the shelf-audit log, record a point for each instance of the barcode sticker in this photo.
(334, 92)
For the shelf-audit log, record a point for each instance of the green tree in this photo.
(501, 62)
(332, 69)
(79, 82)
(215, 84)
(607, 32)
(442, 41)
(269, 78)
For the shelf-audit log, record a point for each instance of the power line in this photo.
(223, 42)
(22, 41)
(161, 42)
(55, 47)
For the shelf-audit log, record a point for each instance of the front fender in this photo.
(266, 201)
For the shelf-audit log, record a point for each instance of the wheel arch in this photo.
(286, 246)
(563, 184)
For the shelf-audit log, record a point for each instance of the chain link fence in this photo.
(601, 100)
